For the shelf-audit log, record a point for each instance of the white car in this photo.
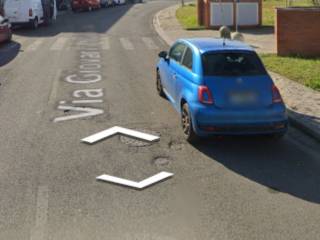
(31, 12)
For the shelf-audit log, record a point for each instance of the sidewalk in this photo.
(302, 102)
(262, 40)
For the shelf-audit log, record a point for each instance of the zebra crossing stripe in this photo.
(105, 43)
(126, 44)
(59, 44)
(20, 40)
(150, 43)
(34, 46)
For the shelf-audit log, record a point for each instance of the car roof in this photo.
(217, 44)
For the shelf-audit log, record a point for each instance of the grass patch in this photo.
(268, 9)
(302, 70)
(187, 16)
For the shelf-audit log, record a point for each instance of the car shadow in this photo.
(8, 52)
(281, 166)
(78, 22)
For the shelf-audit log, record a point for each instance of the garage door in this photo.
(248, 14)
(221, 14)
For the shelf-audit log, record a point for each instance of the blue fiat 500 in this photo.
(220, 87)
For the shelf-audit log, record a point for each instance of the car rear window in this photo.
(232, 64)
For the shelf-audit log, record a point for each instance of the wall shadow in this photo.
(96, 21)
(8, 52)
(264, 30)
(281, 166)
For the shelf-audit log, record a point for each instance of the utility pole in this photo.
(182, 3)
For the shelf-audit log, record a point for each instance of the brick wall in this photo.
(298, 31)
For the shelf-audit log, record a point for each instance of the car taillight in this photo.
(30, 12)
(276, 96)
(204, 95)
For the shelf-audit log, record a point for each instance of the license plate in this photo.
(240, 98)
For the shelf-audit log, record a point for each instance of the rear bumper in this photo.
(215, 121)
(22, 23)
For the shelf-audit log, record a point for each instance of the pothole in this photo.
(177, 146)
(138, 143)
(161, 161)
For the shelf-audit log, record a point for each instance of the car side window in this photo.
(176, 52)
(188, 59)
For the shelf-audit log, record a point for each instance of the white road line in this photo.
(150, 43)
(39, 231)
(105, 43)
(126, 44)
(59, 44)
(119, 130)
(138, 185)
(34, 46)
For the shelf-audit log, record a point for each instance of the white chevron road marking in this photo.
(137, 185)
(119, 130)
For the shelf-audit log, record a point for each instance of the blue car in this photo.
(220, 87)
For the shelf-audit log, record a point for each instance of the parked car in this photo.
(5, 30)
(106, 3)
(220, 87)
(62, 5)
(119, 2)
(24, 12)
(88, 5)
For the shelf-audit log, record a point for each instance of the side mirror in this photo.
(163, 55)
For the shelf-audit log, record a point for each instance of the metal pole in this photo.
(236, 9)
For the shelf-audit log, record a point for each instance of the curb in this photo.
(159, 30)
(293, 120)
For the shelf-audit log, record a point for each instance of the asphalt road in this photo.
(226, 188)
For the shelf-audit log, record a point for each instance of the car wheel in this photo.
(35, 23)
(159, 85)
(187, 125)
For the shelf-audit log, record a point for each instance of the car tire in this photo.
(35, 23)
(187, 125)
(159, 85)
